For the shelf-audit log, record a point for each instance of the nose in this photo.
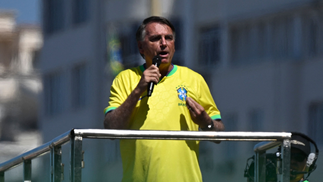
(163, 42)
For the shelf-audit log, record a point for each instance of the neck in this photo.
(164, 70)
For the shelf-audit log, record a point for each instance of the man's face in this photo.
(297, 163)
(158, 39)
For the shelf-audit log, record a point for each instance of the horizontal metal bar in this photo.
(43, 149)
(144, 134)
(182, 135)
(263, 146)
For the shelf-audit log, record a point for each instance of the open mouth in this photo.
(163, 53)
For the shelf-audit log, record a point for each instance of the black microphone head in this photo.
(157, 60)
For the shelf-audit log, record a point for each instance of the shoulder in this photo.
(187, 72)
(130, 72)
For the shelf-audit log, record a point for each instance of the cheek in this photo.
(172, 48)
(146, 49)
(151, 46)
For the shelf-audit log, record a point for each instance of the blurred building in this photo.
(20, 86)
(261, 59)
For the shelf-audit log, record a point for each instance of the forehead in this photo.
(154, 28)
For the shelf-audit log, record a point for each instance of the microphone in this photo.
(156, 62)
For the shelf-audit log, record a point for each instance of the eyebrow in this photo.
(158, 36)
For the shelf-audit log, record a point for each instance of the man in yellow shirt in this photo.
(181, 100)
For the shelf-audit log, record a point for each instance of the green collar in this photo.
(143, 67)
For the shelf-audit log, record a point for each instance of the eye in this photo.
(169, 37)
(154, 38)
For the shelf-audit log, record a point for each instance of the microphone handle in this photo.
(151, 86)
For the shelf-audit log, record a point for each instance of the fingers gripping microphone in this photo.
(156, 62)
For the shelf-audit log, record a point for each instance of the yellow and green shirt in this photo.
(162, 160)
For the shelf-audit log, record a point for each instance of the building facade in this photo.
(262, 61)
(20, 86)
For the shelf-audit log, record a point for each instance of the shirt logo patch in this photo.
(182, 93)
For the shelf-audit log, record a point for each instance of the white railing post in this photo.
(1, 176)
(285, 154)
(27, 170)
(260, 166)
(56, 166)
(76, 159)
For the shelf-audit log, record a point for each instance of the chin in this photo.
(165, 61)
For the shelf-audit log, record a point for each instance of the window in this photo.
(240, 44)
(311, 36)
(261, 41)
(315, 123)
(79, 86)
(80, 11)
(209, 46)
(254, 42)
(35, 58)
(236, 43)
(53, 15)
(282, 32)
(53, 89)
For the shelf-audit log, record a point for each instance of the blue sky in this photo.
(28, 11)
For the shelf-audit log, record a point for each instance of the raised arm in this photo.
(119, 118)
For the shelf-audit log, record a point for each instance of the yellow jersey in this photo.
(162, 160)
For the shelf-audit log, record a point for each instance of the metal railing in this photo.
(75, 137)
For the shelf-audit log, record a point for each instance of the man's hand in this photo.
(119, 118)
(198, 114)
(200, 117)
(151, 74)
